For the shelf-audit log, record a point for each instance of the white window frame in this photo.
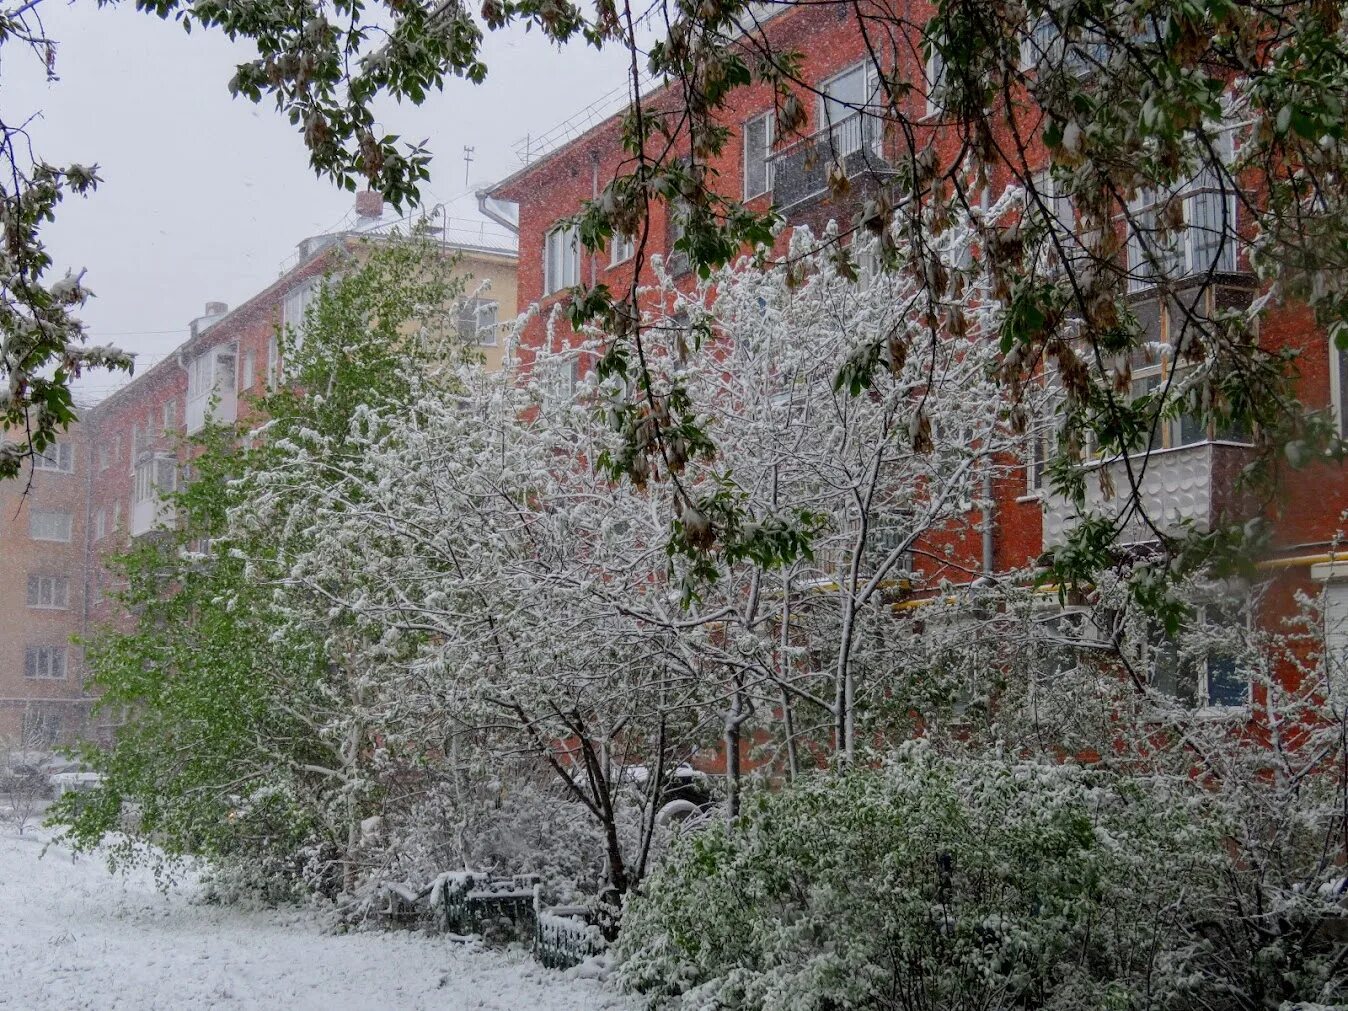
(1041, 41)
(621, 248)
(45, 663)
(48, 593)
(1203, 686)
(1338, 386)
(156, 476)
(1334, 575)
(57, 458)
(295, 307)
(768, 119)
(560, 376)
(487, 330)
(561, 258)
(38, 518)
(1184, 257)
(1038, 449)
(273, 362)
(248, 370)
(844, 140)
(935, 71)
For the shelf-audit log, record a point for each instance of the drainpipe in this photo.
(594, 195)
(988, 514)
(484, 201)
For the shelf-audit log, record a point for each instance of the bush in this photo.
(943, 883)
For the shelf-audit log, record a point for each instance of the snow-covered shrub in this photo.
(268, 850)
(954, 882)
(501, 825)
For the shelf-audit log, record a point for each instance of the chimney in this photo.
(214, 310)
(369, 206)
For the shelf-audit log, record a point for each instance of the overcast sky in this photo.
(205, 196)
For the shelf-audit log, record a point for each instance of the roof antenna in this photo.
(467, 160)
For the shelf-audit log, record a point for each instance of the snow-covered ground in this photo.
(74, 936)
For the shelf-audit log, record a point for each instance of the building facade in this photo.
(1191, 476)
(109, 479)
(44, 536)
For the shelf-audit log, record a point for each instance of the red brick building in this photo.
(1189, 477)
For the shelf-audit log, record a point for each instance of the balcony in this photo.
(800, 171)
(211, 394)
(152, 507)
(1193, 484)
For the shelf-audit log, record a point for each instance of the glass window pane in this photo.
(756, 156)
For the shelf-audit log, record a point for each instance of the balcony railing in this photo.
(800, 171)
(1194, 484)
(152, 514)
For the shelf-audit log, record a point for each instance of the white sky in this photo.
(203, 195)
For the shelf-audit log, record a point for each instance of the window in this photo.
(155, 478)
(846, 110)
(49, 525)
(679, 261)
(116, 515)
(882, 540)
(44, 663)
(1173, 322)
(248, 371)
(1336, 626)
(41, 730)
(1338, 382)
(935, 81)
(295, 307)
(1206, 239)
(273, 361)
(198, 376)
(58, 456)
(49, 592)
(757, 156)
(560, 377)
(117, 447)
(561, 265)
(100, 524)
(1038, 450)
(621, 248)
(1064, 636)
(1202, 667)
(1044, 48)
(486, 322)
(1150, 380)
(104, 457)
(170, 416)
(1039, 44)
(477, 321)
(1059, 215)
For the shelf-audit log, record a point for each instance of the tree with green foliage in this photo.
(249, 740)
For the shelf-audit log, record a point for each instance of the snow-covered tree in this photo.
(250, 737)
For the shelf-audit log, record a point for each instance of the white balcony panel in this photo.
(1187, 484)
(151, 514)
(221, 408)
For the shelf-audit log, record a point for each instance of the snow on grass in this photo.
(74, 936)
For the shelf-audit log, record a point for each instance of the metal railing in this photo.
(800, 170)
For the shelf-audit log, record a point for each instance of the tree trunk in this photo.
(734, 719)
